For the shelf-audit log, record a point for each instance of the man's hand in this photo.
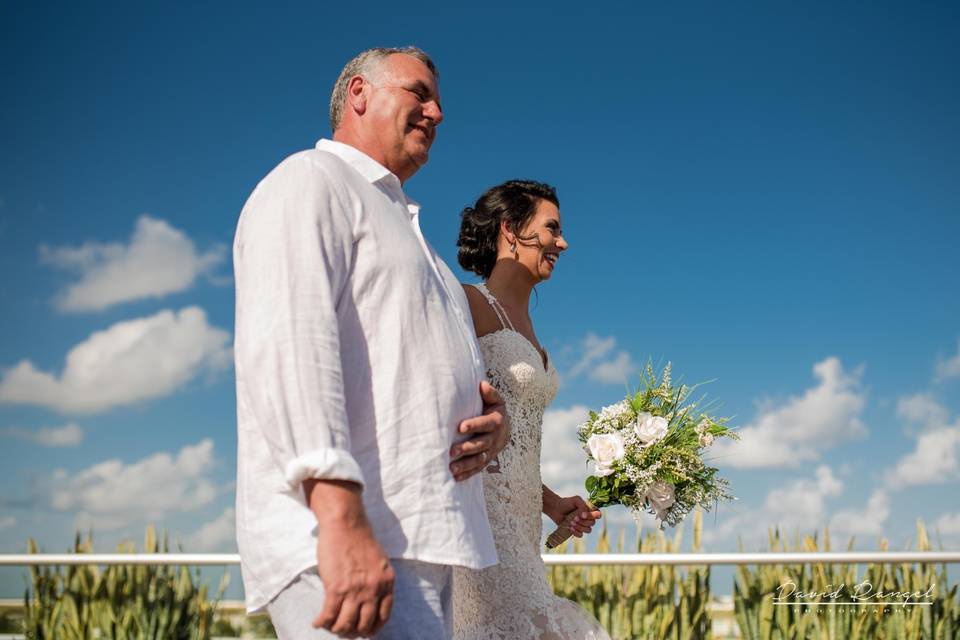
(559, 509)
(356, 574)
(489, 431)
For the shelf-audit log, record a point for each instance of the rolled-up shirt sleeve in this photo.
(292, 259)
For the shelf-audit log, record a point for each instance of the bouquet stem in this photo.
(563, 530)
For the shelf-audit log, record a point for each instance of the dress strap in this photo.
(497, 308)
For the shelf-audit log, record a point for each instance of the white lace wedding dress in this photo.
(512, 600)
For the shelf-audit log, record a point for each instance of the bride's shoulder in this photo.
(484, 317)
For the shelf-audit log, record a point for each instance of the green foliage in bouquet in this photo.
(648, 450)
(641, 601)
(136, 602)
(758, 617)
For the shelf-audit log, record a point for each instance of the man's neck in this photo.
(355, 138)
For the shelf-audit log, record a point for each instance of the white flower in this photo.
(615, 415)
(706, 439)
(661, 498)
(702, 427)
(605, 449)
(601, 470)
(650, 428)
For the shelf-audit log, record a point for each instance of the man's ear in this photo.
(357, 90)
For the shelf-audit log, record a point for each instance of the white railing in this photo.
(724, 626)
(577, 559)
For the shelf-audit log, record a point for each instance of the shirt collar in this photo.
(366, 166)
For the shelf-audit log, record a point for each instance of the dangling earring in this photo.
(513, 247)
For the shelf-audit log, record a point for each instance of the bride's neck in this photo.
(511, 284)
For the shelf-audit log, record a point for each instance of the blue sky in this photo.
(764, 194)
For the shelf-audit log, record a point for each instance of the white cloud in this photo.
(112, 494)
(617, 517)
(935, 460)
(600, 364)
(936, 455)
(868, 521)
(563, 462)
(948, 524)
(6, 522)
(800, 504)
(805, 425)
(949, 367)
(69, 435)
(216, 535)
(594, 348)
(615, 371)
(129, 362)
(159, 260)
(922, 409)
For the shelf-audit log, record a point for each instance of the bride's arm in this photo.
(558, 509)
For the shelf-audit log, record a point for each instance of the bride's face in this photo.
(540, 242)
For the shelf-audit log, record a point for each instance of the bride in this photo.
(512, 239)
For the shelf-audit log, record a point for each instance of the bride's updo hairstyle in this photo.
(513, 202)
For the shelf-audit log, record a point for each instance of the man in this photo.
(361, 427)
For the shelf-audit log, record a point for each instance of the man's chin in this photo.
(420, 157)
(408, 164)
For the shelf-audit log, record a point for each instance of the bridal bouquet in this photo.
(648, 452)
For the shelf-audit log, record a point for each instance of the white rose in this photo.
(605, 448)
(650, 428)
(706, 440)
(661, 498)
(601, 470)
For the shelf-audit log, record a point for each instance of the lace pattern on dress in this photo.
(512, 600)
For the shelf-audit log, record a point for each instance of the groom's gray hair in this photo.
(369, 64)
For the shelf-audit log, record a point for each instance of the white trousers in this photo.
(422, 605)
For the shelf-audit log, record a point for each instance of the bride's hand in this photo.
(562, 508)
(489, 434)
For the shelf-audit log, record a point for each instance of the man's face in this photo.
(403, 111)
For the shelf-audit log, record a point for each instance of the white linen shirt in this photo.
(355, 360)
